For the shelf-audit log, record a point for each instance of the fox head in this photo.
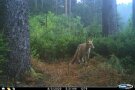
(89, 44)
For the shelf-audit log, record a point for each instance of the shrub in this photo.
(57, 36)
(105, 46)
(51, 37)
(121, 45)
(128, 64)
(119, 49)
(116, 64)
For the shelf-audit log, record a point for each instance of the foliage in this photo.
(57, 36)
(122, 65)
(3, 54)
(128, 64)
(116, 64)
(119, 49)
(93, 30)
(105, 46)
(54, 36)
(89, 11)
(120, 45)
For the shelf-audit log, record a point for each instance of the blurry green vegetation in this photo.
(3, 54)
(56, 36)
(119, 50)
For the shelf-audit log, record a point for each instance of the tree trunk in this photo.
(36, 6)
(109, 17)
(17, 34)
(2, 16)
(133, 14)
(66, 9)
(69, 6)
(42, 4)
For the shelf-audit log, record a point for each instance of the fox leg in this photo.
(75, 58)
(86, 60)
(79, 61)
(83, 59)
(87, 55)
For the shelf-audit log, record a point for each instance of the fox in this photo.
(83, 52)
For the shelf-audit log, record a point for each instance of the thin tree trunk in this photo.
(105, 20)
(66, 9)
(17, 33)
(42, 4)
(109, 17)
(56, 6)
(70, 7)
(36, 4)
(133, 14)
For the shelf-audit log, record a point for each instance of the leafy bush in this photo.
(107, 46)
(124, 65)
(121, 45)
(115, 63)
(128, 64)
(54, 37)
(93, 30)
(119, 49)
(57, 36)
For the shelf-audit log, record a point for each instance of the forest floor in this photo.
(94, 73)
(97, 72)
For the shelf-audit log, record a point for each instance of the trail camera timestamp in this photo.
(67, 88)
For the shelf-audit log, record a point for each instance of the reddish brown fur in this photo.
(82, 52)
